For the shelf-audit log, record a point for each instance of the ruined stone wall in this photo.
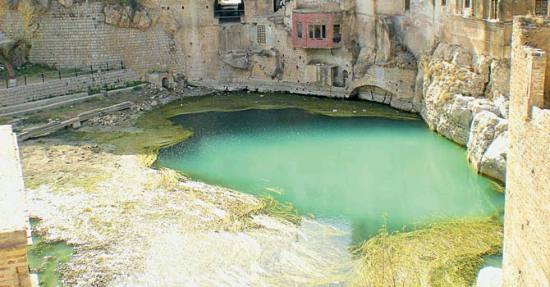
(78, 36)
(527, 237)
(54, 88)
(14, 225)
(479, 36)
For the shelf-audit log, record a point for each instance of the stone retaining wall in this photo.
(78, 36)
(54, 88)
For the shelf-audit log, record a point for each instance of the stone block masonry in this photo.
(14, 223)
(526, 232)
(54, 88)
(78, 36)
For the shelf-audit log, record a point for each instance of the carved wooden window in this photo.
(318, 32)
(260, 33)
(541, 7)
(467, 3)
(407, 5)
(299, 29)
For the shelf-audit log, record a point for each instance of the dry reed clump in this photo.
(441, 254)
(278, 209)
(166, 179)
(241, 209)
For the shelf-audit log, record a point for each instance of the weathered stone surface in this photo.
(141, 20)
(401, 104)
(236, 59)
(126, 17)
(493, 163)
(502, 103)
(454, 122)
(384, 43)
(14, 222)
(499, 84)
(454, 104)
(479, 105)
(488, 131)
(66, 3)
(112, 14)
(168, 21)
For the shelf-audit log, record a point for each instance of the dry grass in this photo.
(441, 254)
(285, 211)
(166, 179)
(62, 166)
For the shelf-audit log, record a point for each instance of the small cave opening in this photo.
(165, 83)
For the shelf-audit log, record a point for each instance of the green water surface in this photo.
(45, 258)
(365, 171)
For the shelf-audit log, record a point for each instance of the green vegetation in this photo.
(244, 101)
(439, 254)
(156, 131)
(45, 258)
(29, 69)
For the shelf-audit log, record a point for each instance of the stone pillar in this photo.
(14, 223)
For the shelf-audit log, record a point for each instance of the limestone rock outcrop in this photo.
(66, 3)
(493, 163)
(169, 22)
(126, 17)
(465, 98)
(487, 145)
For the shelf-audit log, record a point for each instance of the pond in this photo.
(367, 172)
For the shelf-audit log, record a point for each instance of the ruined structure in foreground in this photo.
(14, 222)
(526, 248)
(478, 72)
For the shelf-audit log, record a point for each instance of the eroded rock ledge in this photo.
(465, 98)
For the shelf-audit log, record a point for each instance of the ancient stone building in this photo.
(526, 244)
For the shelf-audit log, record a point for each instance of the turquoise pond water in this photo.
(366, 171)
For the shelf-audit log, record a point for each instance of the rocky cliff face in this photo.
(465, 98)
(126, 17)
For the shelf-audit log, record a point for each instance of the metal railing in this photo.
(44, 77)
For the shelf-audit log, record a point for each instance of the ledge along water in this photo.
(363, 171)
